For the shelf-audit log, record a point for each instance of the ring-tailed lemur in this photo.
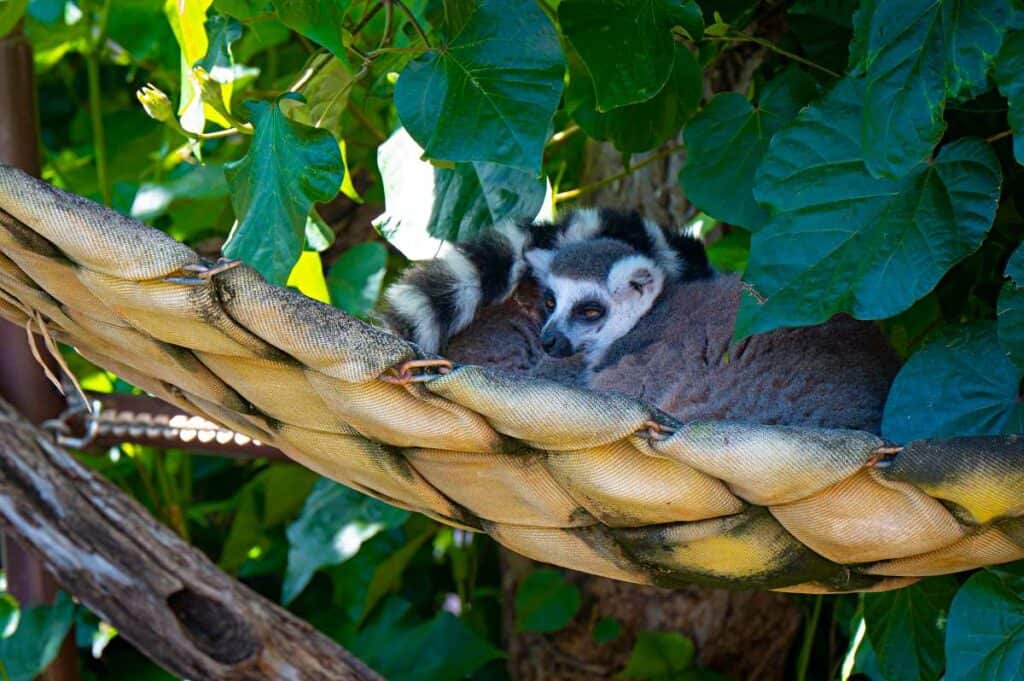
(439, 298)
(648, 317)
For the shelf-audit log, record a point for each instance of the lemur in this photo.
(628, 306)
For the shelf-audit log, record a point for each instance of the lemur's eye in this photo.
(590, 312)
(549, 301)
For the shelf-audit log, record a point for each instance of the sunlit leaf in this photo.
(308, 277)
(289, 166)
(334, 523)
(11, 12)
(318, 20)
(10, 613)
(500, 78)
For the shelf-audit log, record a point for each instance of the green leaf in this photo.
(907, 628)
(607, 33)
(985, 635)
(500, 78)
(427, 205)
(1009, 75)
(318, 20)
(37, 640)
(1010, 309)
(439, 649)
(643, 126)
(10, 613)
(959, 383)
(607, 629)
(663, 655)
(355, 278)
(387, 574)
(335, 522)
(11, 12)
(308, 277)
(273, 187)
(916, 54)
(546, 601)
(727, 140)
(850, 242)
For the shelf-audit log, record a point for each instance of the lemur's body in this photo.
(624, 306)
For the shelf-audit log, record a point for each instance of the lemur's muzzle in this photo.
(556, 344)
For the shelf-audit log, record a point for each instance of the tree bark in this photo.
(162, 595)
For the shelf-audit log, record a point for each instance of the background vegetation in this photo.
(872, 166)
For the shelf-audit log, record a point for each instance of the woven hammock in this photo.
(596, 482)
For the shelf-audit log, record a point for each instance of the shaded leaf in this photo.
(607, 629)
(500, 78)
(387, 574)
(915, 54)
(727, 140)
(37, 640)
(356, 276)
(850, 242)
(318, 20)
(642, 126)
(907, 628)
(1010, 309)
(959, 383)
(334, 523)
(985, 635)
(427, 205)
(663, 655)
(546, 601)
(439, 649)
(606, 34)
(273, 187)
(1009, 75)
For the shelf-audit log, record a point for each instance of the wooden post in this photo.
(22, 382)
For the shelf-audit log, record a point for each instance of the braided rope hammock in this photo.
(597, 482)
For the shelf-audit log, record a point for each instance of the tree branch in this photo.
(162, 595)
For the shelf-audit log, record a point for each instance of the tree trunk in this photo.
(162, 595)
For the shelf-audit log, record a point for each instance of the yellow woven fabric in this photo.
(591, 481)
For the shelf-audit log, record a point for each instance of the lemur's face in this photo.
(587, 312)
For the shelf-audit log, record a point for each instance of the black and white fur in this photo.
(436, 300)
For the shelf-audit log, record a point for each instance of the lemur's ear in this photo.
(635, 277)
(540, 260)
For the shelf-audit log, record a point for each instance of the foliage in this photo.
(867, 161)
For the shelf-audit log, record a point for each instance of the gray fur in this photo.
(589, 260)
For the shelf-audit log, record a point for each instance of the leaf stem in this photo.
(586, 189)
(804, 659)
(413, 20)
(92, 70)
(998, 136)
(563, 135)
(774, 48)
(366, 18)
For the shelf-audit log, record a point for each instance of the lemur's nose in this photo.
(556, 344)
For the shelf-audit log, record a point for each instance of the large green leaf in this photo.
(727, 140)
(643, 126)
(318, 20)
(985, 635)
(1011, 309)
(608, 33)
(334, 523)
(426, 205)
(959, 383)
(915, 54)
(546, 601)
(355, 278)
(11, 12)
(907, 628)
(439, 649)
(1009, 74)
(841, 240)
(36, 641)
(489, 94)
(289, 166)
